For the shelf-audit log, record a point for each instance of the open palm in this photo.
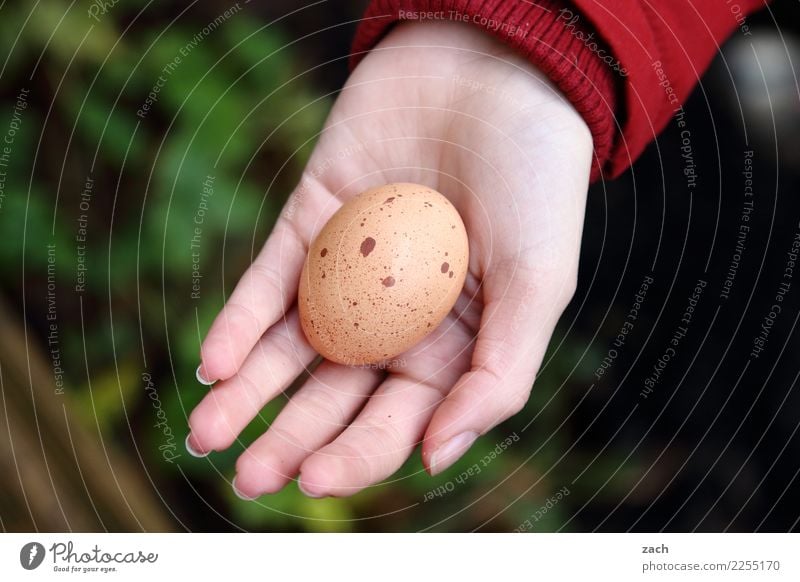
(444, 105)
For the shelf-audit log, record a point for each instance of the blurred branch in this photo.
(57, 475)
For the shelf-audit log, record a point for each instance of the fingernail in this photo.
(239, 494)
(191, 450)
(305, 491)
(201, 378)
(451, 451)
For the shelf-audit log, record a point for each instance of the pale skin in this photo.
(445, 105)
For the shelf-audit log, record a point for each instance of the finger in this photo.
(312, 418)
(278, 358)
(376, 444)
(521, 308)
(262, 295)
(269, 287)
(392, 423)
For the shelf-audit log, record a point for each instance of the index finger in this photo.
(263, 294)
(269, 286)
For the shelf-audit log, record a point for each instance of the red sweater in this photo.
(626, 65)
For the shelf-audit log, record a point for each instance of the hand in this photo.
(446, 105)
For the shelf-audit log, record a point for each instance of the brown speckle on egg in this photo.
(323, 252)
(445, 267)
(388, 282)
(367, 246)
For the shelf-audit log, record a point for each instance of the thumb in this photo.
(520, 313)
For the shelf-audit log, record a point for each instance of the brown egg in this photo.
(382, 274)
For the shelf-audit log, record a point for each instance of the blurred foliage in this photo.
(237, 107)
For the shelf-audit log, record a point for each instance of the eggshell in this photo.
(382, 274)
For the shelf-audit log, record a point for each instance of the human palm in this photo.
(444, 105)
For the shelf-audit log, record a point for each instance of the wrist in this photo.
(538, 33)
(484, 79)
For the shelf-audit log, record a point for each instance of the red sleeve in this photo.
(626, 65)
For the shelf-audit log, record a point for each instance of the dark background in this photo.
(713, 447)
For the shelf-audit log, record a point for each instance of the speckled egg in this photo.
(382, 274)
